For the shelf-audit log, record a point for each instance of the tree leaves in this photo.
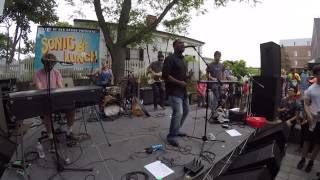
(21, 14)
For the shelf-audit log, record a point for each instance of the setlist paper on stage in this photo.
(158, 169)
(233, 132)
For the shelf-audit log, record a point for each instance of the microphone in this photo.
(56, 61)
(190, 46)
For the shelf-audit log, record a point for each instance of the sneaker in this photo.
(309, 167)
(301, 163)
(51, 146)
(173, 142)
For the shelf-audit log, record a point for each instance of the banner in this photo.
(77, 45)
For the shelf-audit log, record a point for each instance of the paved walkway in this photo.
(289, 171)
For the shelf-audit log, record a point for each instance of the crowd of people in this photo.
(300, 105)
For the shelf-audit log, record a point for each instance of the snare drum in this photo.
(113, 90)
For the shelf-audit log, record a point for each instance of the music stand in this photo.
(204, 138)
(49, 109)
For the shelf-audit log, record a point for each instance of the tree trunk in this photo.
(118, 55)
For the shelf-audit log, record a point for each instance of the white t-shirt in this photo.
(313, 93)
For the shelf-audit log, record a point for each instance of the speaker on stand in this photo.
(265, 99)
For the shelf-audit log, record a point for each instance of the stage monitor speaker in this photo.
(260, 173)
(279, 133)
(268, 155)
(270, 59)
(146, 94)
(265, 98)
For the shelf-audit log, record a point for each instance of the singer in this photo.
(41, 82)
(174, 73)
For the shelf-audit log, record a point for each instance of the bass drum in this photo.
(112, 109)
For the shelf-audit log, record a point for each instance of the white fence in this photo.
(24, 70)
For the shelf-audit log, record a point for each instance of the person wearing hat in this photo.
(312, 111)
(155, 72)
(289, 108)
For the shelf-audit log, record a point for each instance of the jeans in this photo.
(215, 100)
(180, 109)
(158, 93)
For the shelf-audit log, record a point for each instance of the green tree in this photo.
(238, 67)
(63, 24)
(18, 15)
(130, 17)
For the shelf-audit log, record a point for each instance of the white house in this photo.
(139, 58)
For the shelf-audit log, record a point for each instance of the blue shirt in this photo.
(304, 81)
(104, 77)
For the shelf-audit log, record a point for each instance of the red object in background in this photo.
(245, 88)
(257, 122)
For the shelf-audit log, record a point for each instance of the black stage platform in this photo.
(129, 138)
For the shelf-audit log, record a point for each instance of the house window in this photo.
(134, 54)
(309, 53)
(295, 53)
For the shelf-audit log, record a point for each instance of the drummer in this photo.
(104, 75)
(104, 78)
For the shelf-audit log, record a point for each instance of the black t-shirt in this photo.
(175, 66)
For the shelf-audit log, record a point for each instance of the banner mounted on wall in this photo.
(76, 45)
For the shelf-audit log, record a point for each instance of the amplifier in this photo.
(146, 95)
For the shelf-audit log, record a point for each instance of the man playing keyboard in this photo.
(41, 83)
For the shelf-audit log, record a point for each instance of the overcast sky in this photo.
(238, 29)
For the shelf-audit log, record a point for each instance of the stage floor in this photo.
(129, 137)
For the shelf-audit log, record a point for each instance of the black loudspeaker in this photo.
(4, 131)
(265, 98)
(237, 116)
(260, 173)
(146, 94)
(268, 156)
(279, 133)
(270, 59)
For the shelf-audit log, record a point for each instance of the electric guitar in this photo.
(154, 77)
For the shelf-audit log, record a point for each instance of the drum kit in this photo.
(117, 100)
(112, 101)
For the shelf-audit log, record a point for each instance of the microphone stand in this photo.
(249, 98)
(204, 138)
(59, 164)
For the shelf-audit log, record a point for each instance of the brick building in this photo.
(295, 53)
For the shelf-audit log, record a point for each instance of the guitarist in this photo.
(155, 73)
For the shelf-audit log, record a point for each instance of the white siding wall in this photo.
(160, 44)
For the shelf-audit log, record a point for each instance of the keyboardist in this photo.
(40, 81)
(215, 72)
